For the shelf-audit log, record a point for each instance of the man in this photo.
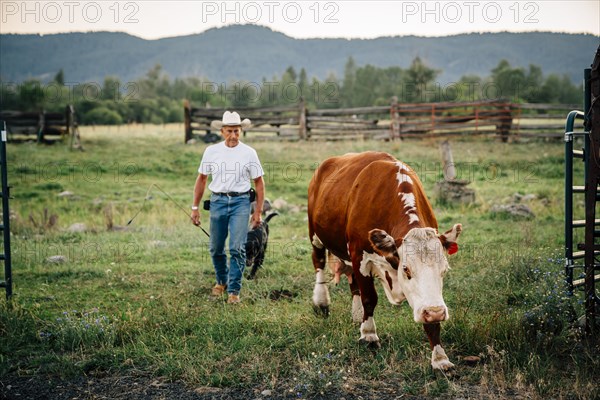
(232, 166)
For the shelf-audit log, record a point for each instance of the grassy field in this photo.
(135, 299)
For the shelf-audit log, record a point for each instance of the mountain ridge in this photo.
(253, 53)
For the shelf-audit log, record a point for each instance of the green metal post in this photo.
(5, 216)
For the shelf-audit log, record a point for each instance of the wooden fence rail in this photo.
(394, 121)
(42, 125)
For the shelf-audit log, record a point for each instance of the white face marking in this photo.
(421, 251)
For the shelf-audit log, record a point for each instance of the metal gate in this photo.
(586, 258)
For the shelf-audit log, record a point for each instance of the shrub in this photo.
(102, 116)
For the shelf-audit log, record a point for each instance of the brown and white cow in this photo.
(370, 211)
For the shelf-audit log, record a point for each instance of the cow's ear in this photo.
(385, 246)
(449, 239)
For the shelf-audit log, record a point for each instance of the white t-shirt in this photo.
(231, 168)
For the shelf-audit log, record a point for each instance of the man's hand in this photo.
(256, 218)
(195, 217)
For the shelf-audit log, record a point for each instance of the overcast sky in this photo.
(152, 19)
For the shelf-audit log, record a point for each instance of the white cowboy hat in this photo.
(231, 119)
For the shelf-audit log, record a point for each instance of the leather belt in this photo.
(232, 194)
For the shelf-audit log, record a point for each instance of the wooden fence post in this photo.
(505, 125)
(70, 120)
(447, 161)
(395, 133)
(187, 120)
(302, 130)
(41, 126)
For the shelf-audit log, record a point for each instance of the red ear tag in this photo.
(452, 248)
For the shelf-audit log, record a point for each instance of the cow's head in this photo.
(420, 261)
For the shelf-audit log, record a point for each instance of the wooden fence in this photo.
(397, 120)
(275, 122)
(45, 127)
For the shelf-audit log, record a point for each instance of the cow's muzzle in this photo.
(435, 314)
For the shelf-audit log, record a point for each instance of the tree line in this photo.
(155, 98)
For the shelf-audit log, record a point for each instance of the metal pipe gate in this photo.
(588, 251)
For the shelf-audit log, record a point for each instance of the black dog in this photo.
(256, 245)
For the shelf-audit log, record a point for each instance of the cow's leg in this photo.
(368, 297)
(439, 359)
(321, 299)
(357, 308)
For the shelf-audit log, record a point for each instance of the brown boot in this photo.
(218, 290)
(233, 299)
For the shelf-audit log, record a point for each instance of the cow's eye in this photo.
(406, 271)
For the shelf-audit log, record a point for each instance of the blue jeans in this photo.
(229, 215)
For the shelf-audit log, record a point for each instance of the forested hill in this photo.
(246, 52)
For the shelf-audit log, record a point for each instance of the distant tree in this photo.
(520, 85)
(154, 84)
(303, 84)
(560, 89)
(468, 88)
(347, 90)
(111, 88)
(102, 116)
(510, 82)
(418, 76)
(368, 79)
(9, 96)
(60, 77)
(391, 84)
(287, 90)
(31, 96)
(290, 73)
(327, 93)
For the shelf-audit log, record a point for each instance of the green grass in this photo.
(137, 299)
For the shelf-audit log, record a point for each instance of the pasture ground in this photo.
(125, 313)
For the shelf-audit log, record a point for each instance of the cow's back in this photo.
(377, 201)
(328, 196)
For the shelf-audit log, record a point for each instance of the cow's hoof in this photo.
(371, 345)
(443, 365)
(321, 311)
(439, 359)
